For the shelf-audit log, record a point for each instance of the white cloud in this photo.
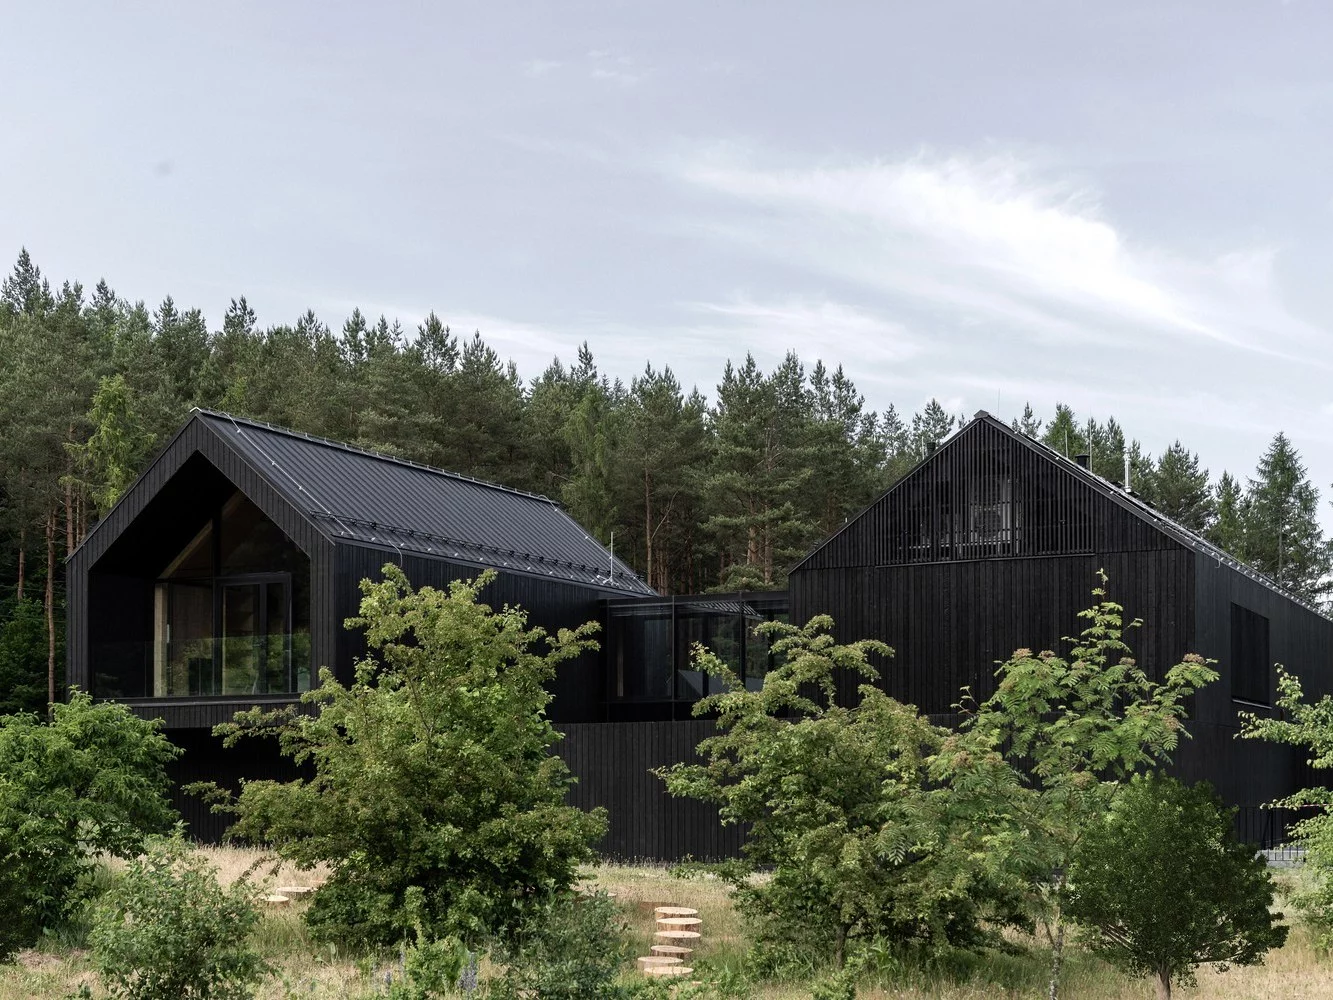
(614, 67)
(814, 328)
(993, 239)
(541, 67)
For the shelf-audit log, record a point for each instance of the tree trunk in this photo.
(1057, 958)
(1163, 984)
(840, 953)
(69, 516)
(23, 539)
(648, 525)
(50, 609)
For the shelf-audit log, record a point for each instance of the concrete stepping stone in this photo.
(671, 949)
(277, 900)
(668, 970)
(668, 937)
(647, 962)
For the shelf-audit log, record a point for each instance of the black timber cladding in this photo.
(358, 497)
(350, 512)
(954, 592)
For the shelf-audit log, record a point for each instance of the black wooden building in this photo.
(222, 578)
(993, 543)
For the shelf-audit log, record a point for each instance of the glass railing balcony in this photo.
(233, 666)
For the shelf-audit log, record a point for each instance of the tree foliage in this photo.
(167, 930)
(1073, 729)
(1163, 885)
(859, 841)
(1282, 534)
(433, 773)
(92, 780)
(702, 488)
(1308, 726)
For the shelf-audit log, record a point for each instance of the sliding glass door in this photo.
(255, 614)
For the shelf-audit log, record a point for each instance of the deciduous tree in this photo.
(1163, 885)
(433, 773)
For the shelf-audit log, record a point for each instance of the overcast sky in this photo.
(1125, 206)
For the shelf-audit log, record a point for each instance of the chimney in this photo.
(1128, 485)
(1081, 460)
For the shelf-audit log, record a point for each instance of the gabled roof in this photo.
(1112, 491)
(361, 497)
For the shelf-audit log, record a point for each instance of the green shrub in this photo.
(572, 950)
(858, 838)
(1162, 885)
(168, 931)
(433, 771)
(92, 780)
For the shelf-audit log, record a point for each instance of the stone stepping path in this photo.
(668, 970)
(678, 927)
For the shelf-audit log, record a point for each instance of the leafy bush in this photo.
(1072, 730)
(571, 950)
(1309, 726)
(1163, 885)
(432, 771)
(23, 652)
(168, 931)
(860, 841)
(91, 781)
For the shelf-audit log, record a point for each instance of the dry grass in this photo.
(310, 972)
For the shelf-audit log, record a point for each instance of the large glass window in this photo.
(232, 610)
(651, 644)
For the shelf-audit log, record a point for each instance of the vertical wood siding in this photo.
(579, 684)
(612, 762)
(986, 494)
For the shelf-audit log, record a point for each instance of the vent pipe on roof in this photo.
(1128, 486)
(1082, 460)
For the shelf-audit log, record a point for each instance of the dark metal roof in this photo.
(1144, 511)
(365, 498)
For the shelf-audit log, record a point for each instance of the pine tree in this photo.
(1064, 434)
(1180, 490)
(662, 444)
(896, 444)
(1231, 507)
(1028, 424)
(1142, 472)
(1283, 537)
(850, 452)
(929, 429)
(118, 446)
(762, 464)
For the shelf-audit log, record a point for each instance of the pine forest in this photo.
(703, 488)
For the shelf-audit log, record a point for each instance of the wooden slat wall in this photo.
(612, 761)
(927, 517)
(950, 623)
(579, 685)
(1247, 772)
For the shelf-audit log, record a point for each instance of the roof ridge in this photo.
(378, 456)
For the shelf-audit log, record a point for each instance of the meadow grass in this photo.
(309, 971)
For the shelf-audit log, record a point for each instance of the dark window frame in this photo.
(1251, 661)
